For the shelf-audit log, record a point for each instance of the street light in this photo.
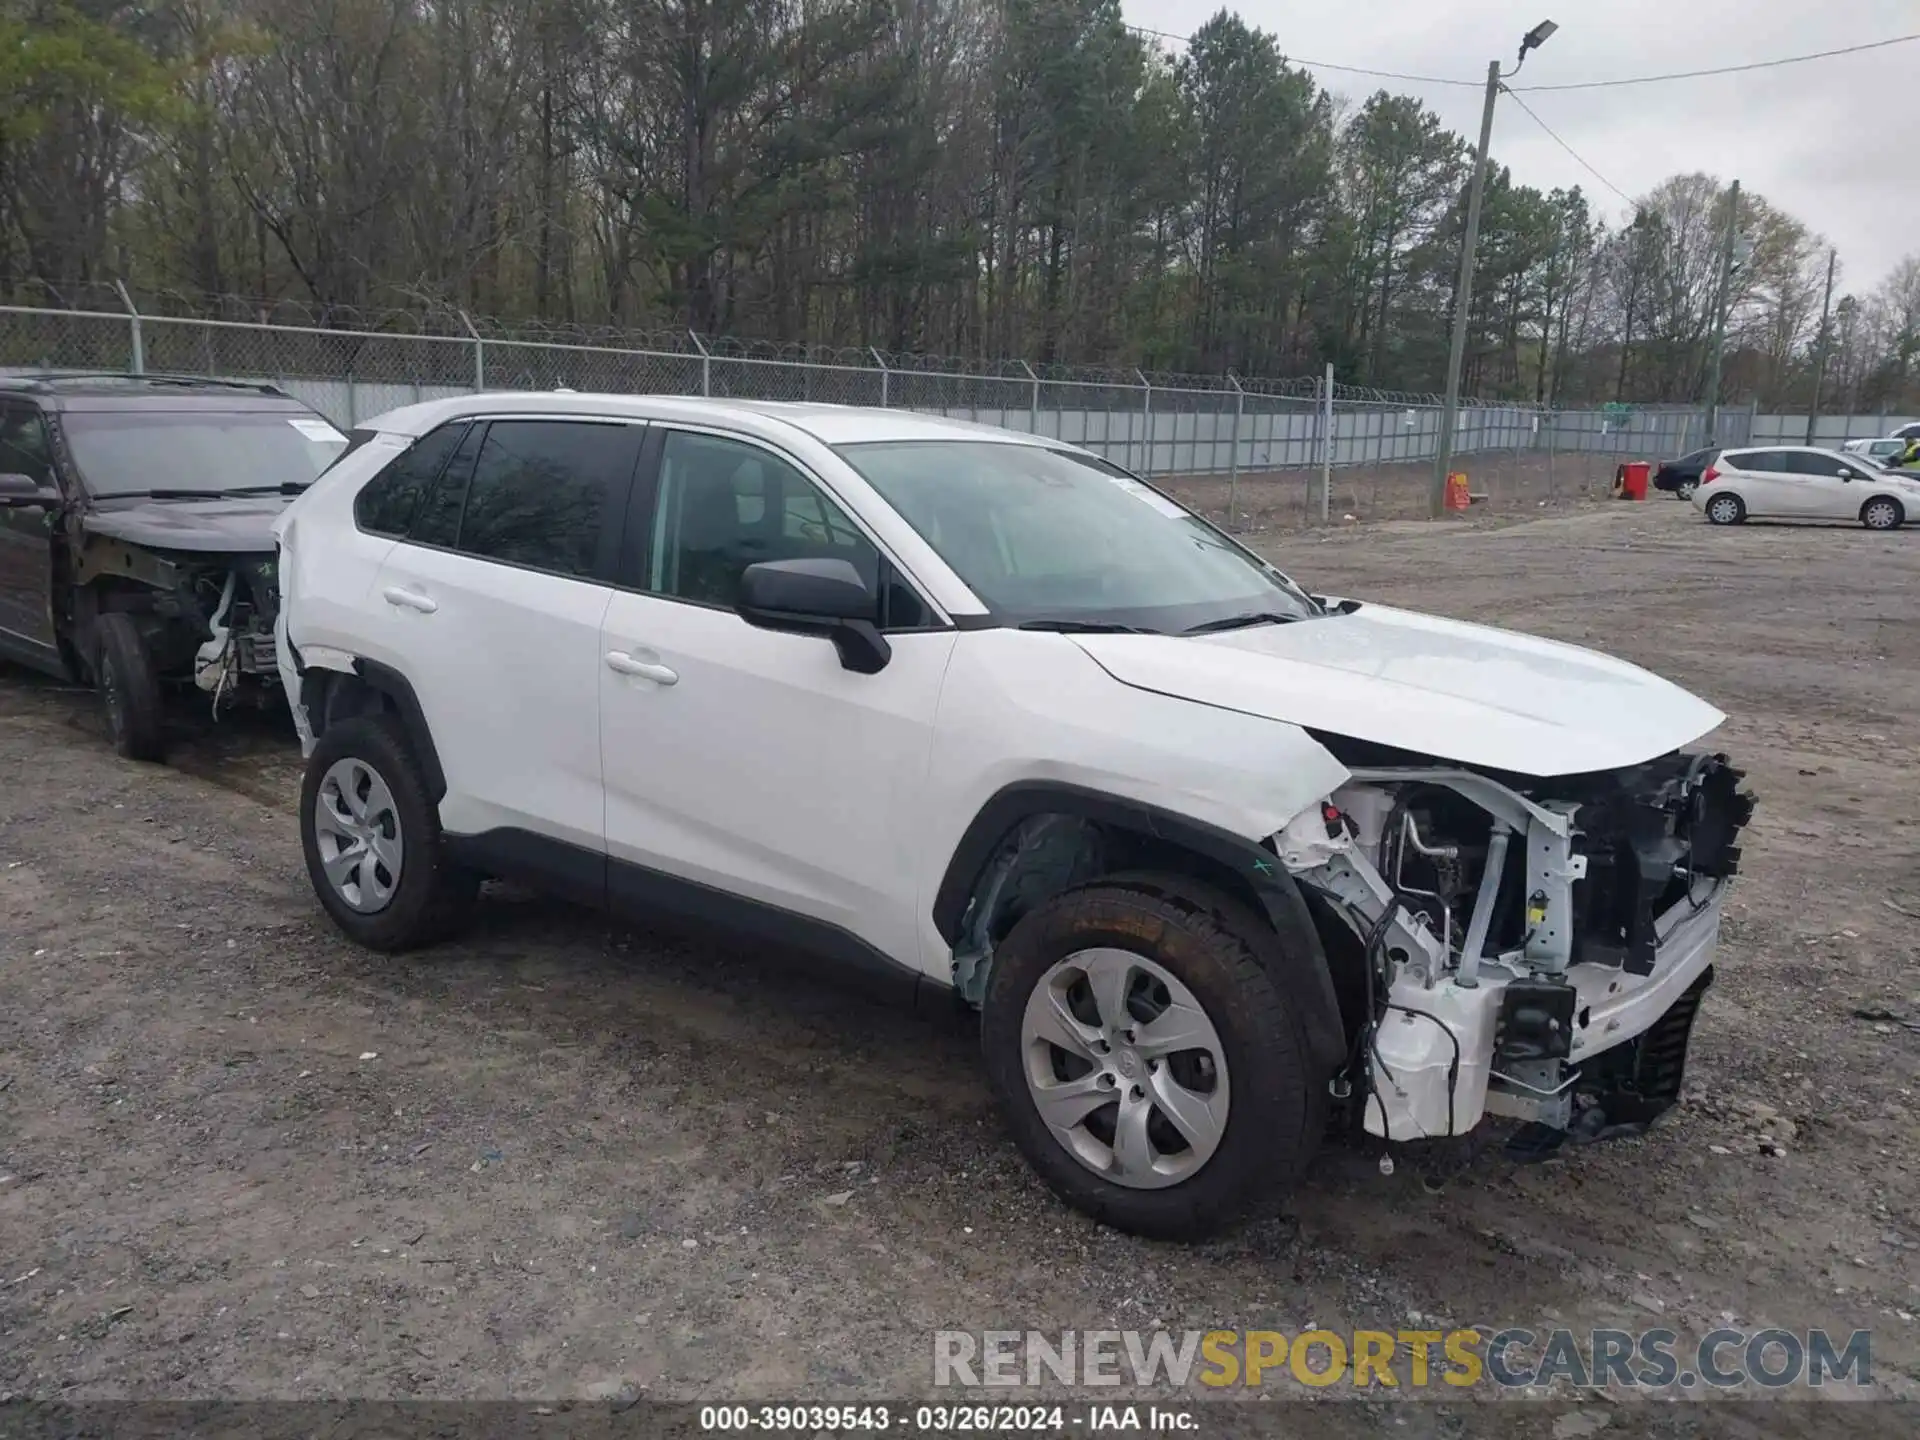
(1463, 298)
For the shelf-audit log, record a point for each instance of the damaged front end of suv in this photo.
(1514, 946)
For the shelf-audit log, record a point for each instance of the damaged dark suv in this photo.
(136, 552)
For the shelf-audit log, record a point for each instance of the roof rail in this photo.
(50, 380)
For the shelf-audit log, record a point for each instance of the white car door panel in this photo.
(505, 663)
(753, 762)
(1764, 484)
(497, 625)
(1816, 486)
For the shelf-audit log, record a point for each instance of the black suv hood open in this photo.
(241, 526)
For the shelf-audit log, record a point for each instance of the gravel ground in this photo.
(1510, 485)
(239, 1158)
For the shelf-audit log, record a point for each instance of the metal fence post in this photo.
(1033, 404)
(1326, 445)
(885, 400)
(706, 364)
(1233, 454)
(137, 349)
(1548, 420)
(1147, 423)
(479, 354)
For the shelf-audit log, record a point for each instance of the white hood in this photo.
(1467, 693)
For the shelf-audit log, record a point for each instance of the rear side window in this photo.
(1755, 459)
(437, 521)
(543, 492)
(387, 503)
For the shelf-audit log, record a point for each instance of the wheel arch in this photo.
(371, 688)
(1899, 508)
(1086, 833)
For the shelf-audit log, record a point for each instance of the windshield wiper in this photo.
(1242, 621)
(285, 487)
(1085, 627)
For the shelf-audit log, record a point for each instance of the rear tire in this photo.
(1726, 510)
(129, 689)
(1684, 490)
(371, 836)
(1882, 513)
(1246, 1085)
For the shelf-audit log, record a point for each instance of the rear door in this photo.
(491, 606)
(26, 533)
(1764, 481)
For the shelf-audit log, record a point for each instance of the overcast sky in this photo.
(1836, 142)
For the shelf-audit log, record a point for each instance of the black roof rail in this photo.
(50, 380)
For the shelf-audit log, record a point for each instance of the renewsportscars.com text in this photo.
(1515, 1357)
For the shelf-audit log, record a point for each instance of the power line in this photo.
(1726, 69)
(1576, 85)
(1327, 65)
(1568, 148)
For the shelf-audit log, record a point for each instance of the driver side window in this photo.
(726, 504)
(24, 447)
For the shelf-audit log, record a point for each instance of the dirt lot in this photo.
(1507, 485)
(239, 1158)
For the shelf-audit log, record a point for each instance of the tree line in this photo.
(978, 178)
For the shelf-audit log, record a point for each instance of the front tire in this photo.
(1726, 510)
(371, 836)
(129, 689)
(1684, 490)
(1151, 1069)
(1881, 513)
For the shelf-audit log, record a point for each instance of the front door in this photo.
(1821, 487)
(750, 762)
(26, 534)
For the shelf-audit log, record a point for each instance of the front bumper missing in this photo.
(1423, 1087)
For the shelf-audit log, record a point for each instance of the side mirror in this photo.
(817, 597)
(23, 491)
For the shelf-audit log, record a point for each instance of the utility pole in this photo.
(1720, 308)
(1463, 303)
(1463, 297)
(1820, 363)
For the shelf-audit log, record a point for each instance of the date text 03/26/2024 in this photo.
(947, 1419)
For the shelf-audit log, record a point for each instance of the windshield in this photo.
(1049, 535)
(122, 452)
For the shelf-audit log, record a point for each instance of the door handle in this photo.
(626, 664)
(411, 599)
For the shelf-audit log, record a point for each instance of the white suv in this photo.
(1216, 859)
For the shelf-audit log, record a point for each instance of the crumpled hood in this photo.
(228, 527)
(1466, 693)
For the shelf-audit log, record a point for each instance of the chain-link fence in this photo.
(1260, 440)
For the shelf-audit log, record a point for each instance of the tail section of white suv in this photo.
(986, 718)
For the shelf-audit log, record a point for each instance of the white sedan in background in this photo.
(1801, 482)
